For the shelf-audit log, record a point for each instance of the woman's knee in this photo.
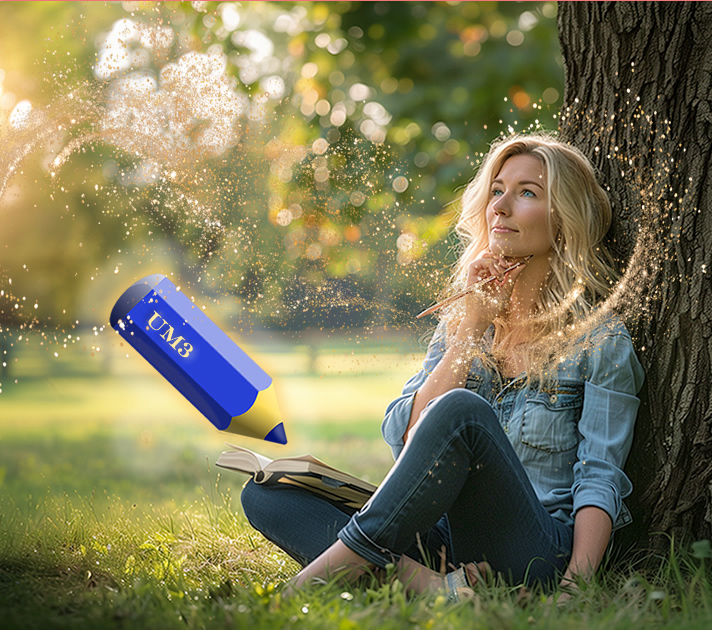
(461, 406)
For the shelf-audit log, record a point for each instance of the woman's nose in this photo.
(501, 204)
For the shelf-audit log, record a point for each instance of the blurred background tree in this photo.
(309, 151)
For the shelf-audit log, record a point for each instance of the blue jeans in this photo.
(458, 487)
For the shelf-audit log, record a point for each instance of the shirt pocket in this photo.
(550, 418)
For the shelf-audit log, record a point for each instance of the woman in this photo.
(511, 440)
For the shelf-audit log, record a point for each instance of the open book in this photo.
(303, 471)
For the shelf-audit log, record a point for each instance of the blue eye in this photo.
(496, 191)
(528, 193)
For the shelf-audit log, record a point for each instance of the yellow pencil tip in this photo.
(260, 419)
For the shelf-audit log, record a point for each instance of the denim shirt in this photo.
(573, 437)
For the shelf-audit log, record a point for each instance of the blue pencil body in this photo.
(198, 358)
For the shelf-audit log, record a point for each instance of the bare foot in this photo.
(461, 583)
(478, 572)
(458, 584)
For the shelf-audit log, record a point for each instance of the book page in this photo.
(299, 464)
(243, 459)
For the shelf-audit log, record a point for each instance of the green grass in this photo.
(113, 515)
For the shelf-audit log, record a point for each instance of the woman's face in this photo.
(518, 208)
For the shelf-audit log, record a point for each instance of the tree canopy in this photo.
(298, 157)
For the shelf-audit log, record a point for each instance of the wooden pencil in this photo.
(469, 289)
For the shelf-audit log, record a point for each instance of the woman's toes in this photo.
(478, 572)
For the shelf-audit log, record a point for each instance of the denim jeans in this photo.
(458, 487)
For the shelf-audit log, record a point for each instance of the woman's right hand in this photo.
(488, 301)
(480, 308)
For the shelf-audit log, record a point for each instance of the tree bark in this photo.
(637, 101)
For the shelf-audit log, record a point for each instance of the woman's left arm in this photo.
(606, 427)
(592, 531)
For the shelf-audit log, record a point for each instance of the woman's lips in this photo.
(500, 229)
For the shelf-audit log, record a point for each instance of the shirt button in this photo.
(553, 398)
(499, 400)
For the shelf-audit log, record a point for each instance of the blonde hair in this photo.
(581, 268)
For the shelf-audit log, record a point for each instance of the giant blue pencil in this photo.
(198, 358)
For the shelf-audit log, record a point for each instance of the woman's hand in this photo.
(484, 304)
(480, 308)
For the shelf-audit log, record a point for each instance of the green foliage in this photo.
(403, 97)
(359, 124)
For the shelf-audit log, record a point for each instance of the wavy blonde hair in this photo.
(582, 271)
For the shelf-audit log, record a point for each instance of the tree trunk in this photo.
(638, 102)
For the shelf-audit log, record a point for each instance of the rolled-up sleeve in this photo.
(398, 412)
(607, 421)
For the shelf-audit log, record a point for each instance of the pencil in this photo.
(193, 354)
(464, 292)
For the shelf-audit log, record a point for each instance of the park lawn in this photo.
(112, 513)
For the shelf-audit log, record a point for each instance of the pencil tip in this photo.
(277, 434)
